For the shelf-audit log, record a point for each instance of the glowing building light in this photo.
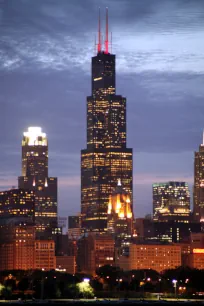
(32, 136)
(198, 251)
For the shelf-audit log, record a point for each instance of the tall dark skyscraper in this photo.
(198, 192)
(35, 177)
(106, 158)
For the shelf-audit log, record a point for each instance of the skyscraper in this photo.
(35, 177)
(106, 158)
(198, 204)
(171, 201)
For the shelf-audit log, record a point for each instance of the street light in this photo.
(86, 280)
(42, 285)
(174, 281)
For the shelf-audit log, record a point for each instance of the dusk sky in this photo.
(45, 63)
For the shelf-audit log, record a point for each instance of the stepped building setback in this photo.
(106, 158)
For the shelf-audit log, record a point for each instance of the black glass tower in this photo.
(106, 158)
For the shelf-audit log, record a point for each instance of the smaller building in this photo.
(66, 264)
(196, 259)
(94, 251)
(17, 246)
(148, 256)
(45, 255)
(74, 227)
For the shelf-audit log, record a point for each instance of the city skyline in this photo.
(171, 86)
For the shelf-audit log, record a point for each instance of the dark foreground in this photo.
(105, 301)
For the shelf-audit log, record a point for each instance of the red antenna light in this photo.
(99, 30)
(106, 40)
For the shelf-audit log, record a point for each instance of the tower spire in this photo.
(106, 40)
(99, 30)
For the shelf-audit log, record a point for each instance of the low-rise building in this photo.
(95, 251)
(147, 256)
(66, 264)
(45, 255)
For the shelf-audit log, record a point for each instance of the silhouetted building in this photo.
(106, 157)
(94, 251)
(35, 177)
(170, 231)
(66, 264)
(74, 227)
(198, 192)
(120, 216)
(171, 201)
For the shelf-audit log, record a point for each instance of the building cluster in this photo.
(105, 232)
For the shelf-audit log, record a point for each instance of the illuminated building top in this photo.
(120, 212)
(34, 137)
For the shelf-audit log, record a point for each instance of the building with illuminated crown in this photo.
(171, 201)
(120, 216)
(35, 177)
(198, 192)
(106, 157)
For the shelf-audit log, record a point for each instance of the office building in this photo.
(120, 216)
(35, 177)
(17, 240)
(150, 256)
(106, 157)
(17, 203)
(66, 264)
(94, 251)
(171, 201)
(74, 227)
(45, 258)
(198, 192)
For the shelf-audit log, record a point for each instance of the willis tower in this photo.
(106, 158)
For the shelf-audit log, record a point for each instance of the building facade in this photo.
(94, 251)
(66, 264)
(120, 215)
(171, 201)
(17, 246)
(45, 258)
(17, 203)
(198, 192)
(35, 177)
(148, 256)
(106, 157)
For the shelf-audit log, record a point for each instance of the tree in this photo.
(85, 290)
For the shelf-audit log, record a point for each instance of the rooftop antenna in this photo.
(111, 44)
(99, 30)
(106, 39)
(95, 44)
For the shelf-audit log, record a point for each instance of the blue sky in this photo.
(45, 56)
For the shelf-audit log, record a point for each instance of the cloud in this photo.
(160, 37)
